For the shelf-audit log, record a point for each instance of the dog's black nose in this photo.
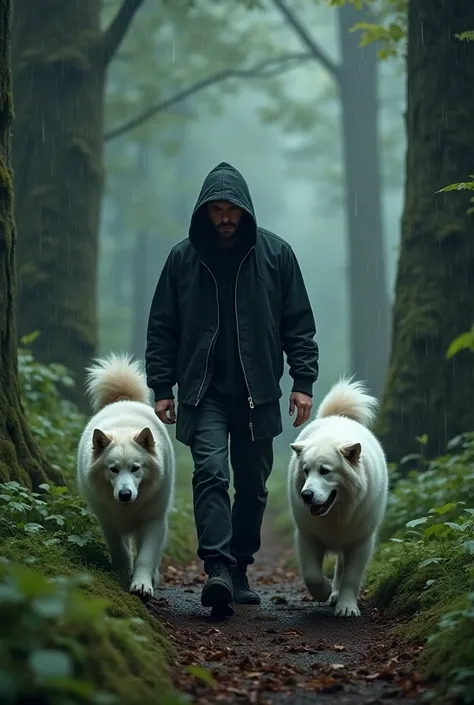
(307, 495)
(125, 495)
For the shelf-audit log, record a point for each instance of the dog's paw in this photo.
(320, 589)
(333, 597)
(346, 608)
(142, 589)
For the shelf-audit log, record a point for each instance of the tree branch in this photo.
(264, 69)
(319, 54)
(115, 33)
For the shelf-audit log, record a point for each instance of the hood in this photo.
(223, 183)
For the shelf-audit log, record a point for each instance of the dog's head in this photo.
(125, 463)
(328, 474)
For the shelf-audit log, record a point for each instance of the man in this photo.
(230, 300)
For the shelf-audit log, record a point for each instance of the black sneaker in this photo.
(243, 593)
(217, 591)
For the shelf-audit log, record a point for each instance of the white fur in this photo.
(354, 465)
(126, 435)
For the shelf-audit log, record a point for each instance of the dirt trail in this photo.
(289, 646)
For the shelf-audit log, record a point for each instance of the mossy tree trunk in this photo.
(434, 303)
(60, 57)
(20, 456)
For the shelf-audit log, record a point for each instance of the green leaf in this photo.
(430, 561)
(465, 36)
(465, 341)
(50, 663)
(10, 593)
(30, 338)
(48, 606)
(468, 546)
(32, 528)
(202, 674)
(416, 522)
(444, 509)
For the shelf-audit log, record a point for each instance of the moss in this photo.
(452, 648)
(128, 663)
(421, 598)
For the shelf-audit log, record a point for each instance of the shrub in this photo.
(432, 484)
(55, 422)
(61, 644)
(424, 569)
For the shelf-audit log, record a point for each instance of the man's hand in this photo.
(165, 410)
(303, 403)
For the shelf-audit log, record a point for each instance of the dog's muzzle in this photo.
(318, 508)
(125, 495)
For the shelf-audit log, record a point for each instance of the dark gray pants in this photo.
(225, 535)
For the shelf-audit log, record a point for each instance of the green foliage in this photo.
(60, 645)
(463, 185)
(389, 29)
(465, 341)
(55, 422)
(424, 570)
(465, 36)
(433, 483)
(57, 516)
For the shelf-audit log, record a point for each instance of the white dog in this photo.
(126, 469)
(337, 486)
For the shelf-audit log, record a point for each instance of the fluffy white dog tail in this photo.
(349, 398)
(116, 378)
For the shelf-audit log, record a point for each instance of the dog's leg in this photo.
(120, 556)
(336, 581)
(150, 542)
(356, 558)
(311, 555)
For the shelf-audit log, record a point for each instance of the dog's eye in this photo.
(305, 469)
(323, 470)
(114, 470)
(135, 467)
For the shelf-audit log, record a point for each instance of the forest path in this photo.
(288, 647)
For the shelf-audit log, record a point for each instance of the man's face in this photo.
(225, 216)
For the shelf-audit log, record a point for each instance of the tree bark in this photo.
(60, 58)
(368, 293)
(58, 85)
(20, 456)
(425, 393)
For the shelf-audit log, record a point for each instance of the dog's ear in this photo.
(145, 439)
(297, 447)
(351, 451)
(100, 441)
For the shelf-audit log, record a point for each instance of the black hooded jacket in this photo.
(272, 310)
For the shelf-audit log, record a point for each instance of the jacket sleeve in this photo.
(297, 327)
(163, 335)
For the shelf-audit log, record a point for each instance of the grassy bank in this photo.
(70, 634)
(423, 570)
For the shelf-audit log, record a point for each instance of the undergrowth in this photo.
(423, 570)
(70, 634)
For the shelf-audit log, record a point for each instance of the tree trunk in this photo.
(426, 394)
(20, 456)
(368, 291)
(58, 85)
